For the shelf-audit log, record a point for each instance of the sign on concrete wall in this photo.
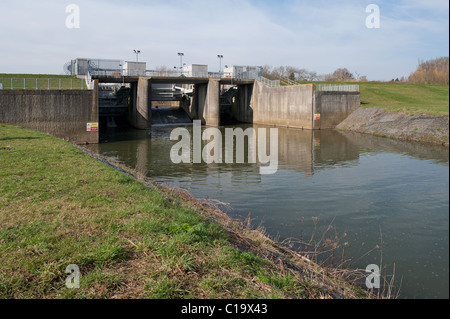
(92, 127)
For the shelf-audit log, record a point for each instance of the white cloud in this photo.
(320, 35)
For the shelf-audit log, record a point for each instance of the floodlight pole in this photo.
(137, 52)
(181, 54)
(220, 56)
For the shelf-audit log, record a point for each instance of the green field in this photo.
(41, 82)
(406, 98)
(38, 76)
(60, 207)
(412, 99)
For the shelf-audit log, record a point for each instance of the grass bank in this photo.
(410, 99)
(35, 76)
(130, 238)
(41, 82)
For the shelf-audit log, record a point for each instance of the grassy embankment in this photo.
(59, 206)
(41, 82)
(412, 99)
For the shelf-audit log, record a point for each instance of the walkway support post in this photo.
(212, 104)
(140, 115)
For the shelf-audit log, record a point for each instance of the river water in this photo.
(387, 201)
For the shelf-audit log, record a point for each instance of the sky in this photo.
(40, 36)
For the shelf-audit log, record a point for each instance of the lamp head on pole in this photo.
(137, 52)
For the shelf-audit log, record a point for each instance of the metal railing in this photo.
(111, 73)
(176, 74)
(272, 83)
(287, 81)
(42, 84)
(216, 75)
(337, 88)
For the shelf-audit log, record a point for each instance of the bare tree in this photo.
(289, 72)
(267, 72)
(340, 75)
(434, 71)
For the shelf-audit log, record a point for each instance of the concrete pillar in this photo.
(140, 115)
(212, 105)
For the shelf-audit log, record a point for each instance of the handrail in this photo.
(337, 87)
(43, 84)
(272, 83)
(289, 81)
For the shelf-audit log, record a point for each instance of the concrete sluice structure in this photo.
(251, 101)
(79, 115)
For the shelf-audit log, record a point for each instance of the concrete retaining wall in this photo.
(289, 106)
(63, 114)
(294, 106)
(140, 111)
(334, 107)
(299, 106)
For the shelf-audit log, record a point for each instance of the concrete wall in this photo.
(293, 106)
(258, 103)
(334, 107)
(140, 112)
(289, 106)
(63, 113)
(204, 105)
(212, 109)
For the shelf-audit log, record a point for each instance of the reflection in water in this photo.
(300, 151)
(368, 187)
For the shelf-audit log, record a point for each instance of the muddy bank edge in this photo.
(379, 122)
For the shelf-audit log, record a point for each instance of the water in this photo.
(374, 191)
